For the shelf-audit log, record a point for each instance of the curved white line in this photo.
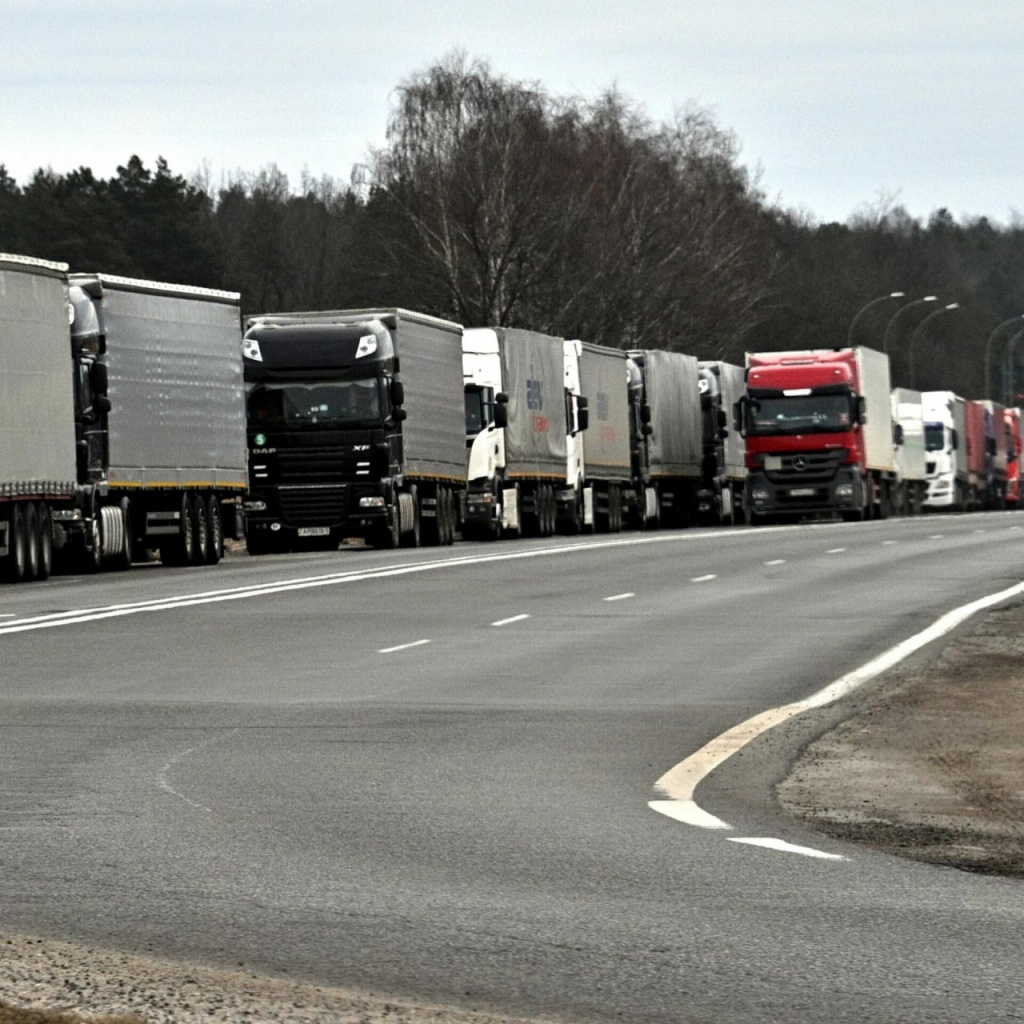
(679, 783)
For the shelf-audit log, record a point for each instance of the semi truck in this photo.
(997, 452)
(356, 428)
(723, 468)
(515, 431)
(945, 430)
(668, 443)
(819, 434)
(121, 417)
(909, 453)
(163, 468)
(977, 425)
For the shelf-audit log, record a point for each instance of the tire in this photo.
(181, 550)
(201, 526)
(12, 566)
(215, 525)
(45, 542)
(387, 537)
(31, 543)
(413, 538)
(450, 523)
(117, 537)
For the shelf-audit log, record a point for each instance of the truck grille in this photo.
(806, 468)
(317, 465)
(314, 505)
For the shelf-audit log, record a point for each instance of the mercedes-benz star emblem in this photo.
(799, 463)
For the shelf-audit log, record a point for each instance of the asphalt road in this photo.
(427, 773)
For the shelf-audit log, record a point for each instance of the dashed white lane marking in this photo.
(512, 618)
(937, 536)
(679, 783)
(703, 579)
(784, 847)
(835, 551)
(887, 543)
(8, 615)
(776, 561)
(621, 597)
(402, 647)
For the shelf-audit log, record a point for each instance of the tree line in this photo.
(495, 203)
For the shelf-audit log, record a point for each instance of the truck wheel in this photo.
(413, 537)
(181, 550)
(116, 536)
(387, 537)
(31, 542)
(13, 565)
(201, 528)
(215, 527)
(450, 517)
(45, 542)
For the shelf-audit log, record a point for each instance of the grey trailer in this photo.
(607, 456)
(175, 429)
(37, 413)
(668, 441)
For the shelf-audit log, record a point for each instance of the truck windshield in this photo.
(934, 437)
(800, 414)
(334, 403)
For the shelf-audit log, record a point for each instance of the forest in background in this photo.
(494, 203)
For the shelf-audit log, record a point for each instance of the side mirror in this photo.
(723, 420)
(645, 413)
(862, 409)
(582, 413)
(897, 433)
(501, 398)
(723, 433)
(738, 412)
(399, 414)
(647, 430)
(501, 415)
(397, 394)
(101, 404)
(99, 379)
(954, 440)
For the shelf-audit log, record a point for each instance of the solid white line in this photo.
(620, 597)
(402, 647)
(703, 579)
(776, 561)
(513, 618)
(679, 783)
(8, 615)
(779, 844)
(835, 551)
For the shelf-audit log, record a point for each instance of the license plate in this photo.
(314, 531)
(801, 492)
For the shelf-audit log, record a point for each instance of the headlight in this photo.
(371, 502)
(844, 490)
(760, 493)
(254, 506)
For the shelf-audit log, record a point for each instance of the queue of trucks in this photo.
(149, 420)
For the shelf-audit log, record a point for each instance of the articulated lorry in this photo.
(997, 452)
(668, 443)
(356, 428)
(166, 463)
(909, 453)
(724, 467)
(945, 431)
(819, 434)
(122, 420)
(515, 431)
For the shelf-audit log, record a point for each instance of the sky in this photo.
(838, 108)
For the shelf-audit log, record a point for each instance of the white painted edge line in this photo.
(703, 579)
(776, 561)
(402, 647)
(8, 615)
(784, 847)
(621, 597)
(679, 783)
(510, 619)
(835, 551)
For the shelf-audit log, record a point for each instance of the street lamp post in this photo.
(1011, 345)
(871, 305)
(919, 329)
(988, 349)
(891, 325)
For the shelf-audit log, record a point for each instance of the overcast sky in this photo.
(837, 104)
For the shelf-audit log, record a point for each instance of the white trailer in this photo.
(909, 455)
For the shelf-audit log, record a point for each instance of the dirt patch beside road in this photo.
(930, 763)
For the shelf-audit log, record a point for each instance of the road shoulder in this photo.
(928, 763)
